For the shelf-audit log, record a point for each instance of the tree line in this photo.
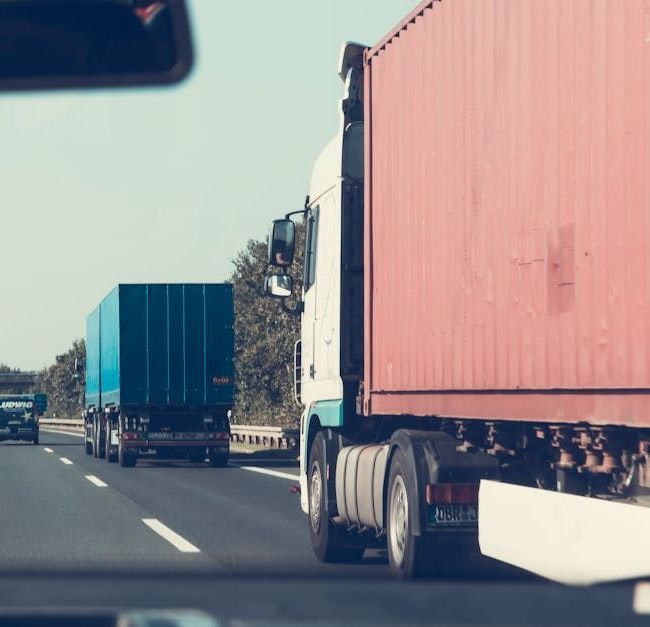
(265, 335)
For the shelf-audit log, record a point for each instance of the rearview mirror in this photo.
(77, 369)
(279, 285)
(92, 43)
(282, 241)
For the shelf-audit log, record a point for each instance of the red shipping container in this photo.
(507, 212)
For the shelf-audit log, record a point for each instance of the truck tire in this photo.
(409, 556)
(216, 459)
(125, 458)
(95, 443)
(328, 542)
(111, 457)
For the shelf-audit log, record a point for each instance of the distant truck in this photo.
(19, 416)
(159, 373)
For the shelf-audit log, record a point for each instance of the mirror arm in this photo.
(295, 213)
(304, 211)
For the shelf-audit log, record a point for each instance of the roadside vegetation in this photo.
(65, 391)
(265, 335)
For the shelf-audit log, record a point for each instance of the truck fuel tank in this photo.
(360, 473)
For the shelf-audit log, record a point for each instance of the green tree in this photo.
(265, 335)
(60, 382)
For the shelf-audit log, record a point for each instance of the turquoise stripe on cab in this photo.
(330, 413)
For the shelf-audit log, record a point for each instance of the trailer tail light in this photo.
(448, 493)
(219, 435)
(129, 435)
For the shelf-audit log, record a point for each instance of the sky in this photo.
(167, 184)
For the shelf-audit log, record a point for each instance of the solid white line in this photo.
(272, 473)
(48, 450)
(171, 536)
(66, 461)
(98, 482)
(72, 433)
(641, 600)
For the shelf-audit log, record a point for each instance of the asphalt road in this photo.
(80, 534)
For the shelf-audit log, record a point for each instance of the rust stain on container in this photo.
(507, 207)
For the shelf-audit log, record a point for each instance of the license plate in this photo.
(176, 436)
(453, 515)
(160, 436)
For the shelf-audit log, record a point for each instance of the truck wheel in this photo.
(409, 556)
(328, 542)
(125, 458)
(109, 454)
(98, 450)
(95, 438)
(216, 459)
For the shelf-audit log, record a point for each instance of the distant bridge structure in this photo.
(18, 382)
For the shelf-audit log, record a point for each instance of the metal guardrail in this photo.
(267, 437)
(73, 425)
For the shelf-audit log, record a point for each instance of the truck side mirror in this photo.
(77, 369)
(282, 241)
(278, 285)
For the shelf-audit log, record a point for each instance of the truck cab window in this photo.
(310, 248)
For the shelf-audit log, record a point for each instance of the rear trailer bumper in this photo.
(26, 434)
(222, 443)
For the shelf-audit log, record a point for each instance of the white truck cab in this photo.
(333, 268)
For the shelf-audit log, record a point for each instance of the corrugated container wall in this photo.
(166, 345)
(507, 212)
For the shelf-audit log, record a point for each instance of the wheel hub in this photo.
(399, 512)
(315, 490)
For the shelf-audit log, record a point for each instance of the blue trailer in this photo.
(159, 373)
(19, 416)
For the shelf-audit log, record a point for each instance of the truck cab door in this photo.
(309, 304)
(327, 314)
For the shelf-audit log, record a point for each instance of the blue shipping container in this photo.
(161, 345)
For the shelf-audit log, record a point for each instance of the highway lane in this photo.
(52, 515)
(237, 518)
(69, 542)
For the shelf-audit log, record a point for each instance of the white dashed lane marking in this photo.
(96, 480)
(171, 536)
(66, 461)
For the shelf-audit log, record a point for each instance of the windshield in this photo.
(152, 452)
